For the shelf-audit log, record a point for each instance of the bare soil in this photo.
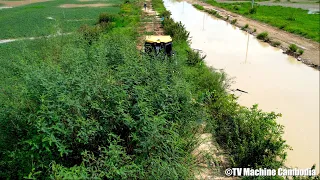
(20, 3)
(83, 5)
(211, 159)
(311, 55)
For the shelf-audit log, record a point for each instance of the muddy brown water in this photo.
(275, 81)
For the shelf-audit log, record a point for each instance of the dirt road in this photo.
(311, 48)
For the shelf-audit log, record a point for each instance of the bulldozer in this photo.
(158, 45)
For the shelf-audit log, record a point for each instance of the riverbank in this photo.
(311, 48)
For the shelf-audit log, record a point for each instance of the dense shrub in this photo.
(253, 10)
(106, 18)
(72, 108)
(90, 33)
(176, 30)
(194, 57)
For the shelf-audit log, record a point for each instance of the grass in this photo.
(293, 20)
(263, 36)
(14, 23)
(198, 7)
(293, 48)
(275, 43)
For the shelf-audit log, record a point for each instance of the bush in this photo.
(245, 27)
(293, 48)
(194, 58)
(165, 14)
(253, 10)
(90, 33)
(236, 7)
(300, 51)
(275, 43)
(263, 36)
(234, 21)
(106, 18)
(175, 30)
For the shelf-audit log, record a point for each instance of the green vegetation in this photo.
(48, 18)
(293, 48)
(263, 36)
(293, 20)
(275, 43)
(89, 106)
(234, 21)
(198, 7)
(245, 27)
(300, 51)
(252, 137)
(212, 12)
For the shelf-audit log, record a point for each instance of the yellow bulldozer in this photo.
(158, 45)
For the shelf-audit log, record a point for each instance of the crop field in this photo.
(293, 20)
(45, 18)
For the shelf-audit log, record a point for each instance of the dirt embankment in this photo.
(311, 55)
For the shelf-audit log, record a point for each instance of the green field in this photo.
(32, 20)
(293, 20)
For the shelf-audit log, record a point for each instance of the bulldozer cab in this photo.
(158, 44)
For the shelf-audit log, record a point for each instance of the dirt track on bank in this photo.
(311, 55)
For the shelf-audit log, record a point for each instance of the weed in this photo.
(263, 36)
(293, 48)
(198, 6)
(275, 43)
(194, 58)
(236, 7)
(300, 51)
(234, 21)
(253, 10)
(254, 30)
(291, 18)
(245, 27)
(106, 18)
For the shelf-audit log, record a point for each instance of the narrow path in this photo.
(150, 24)
(311, 48)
